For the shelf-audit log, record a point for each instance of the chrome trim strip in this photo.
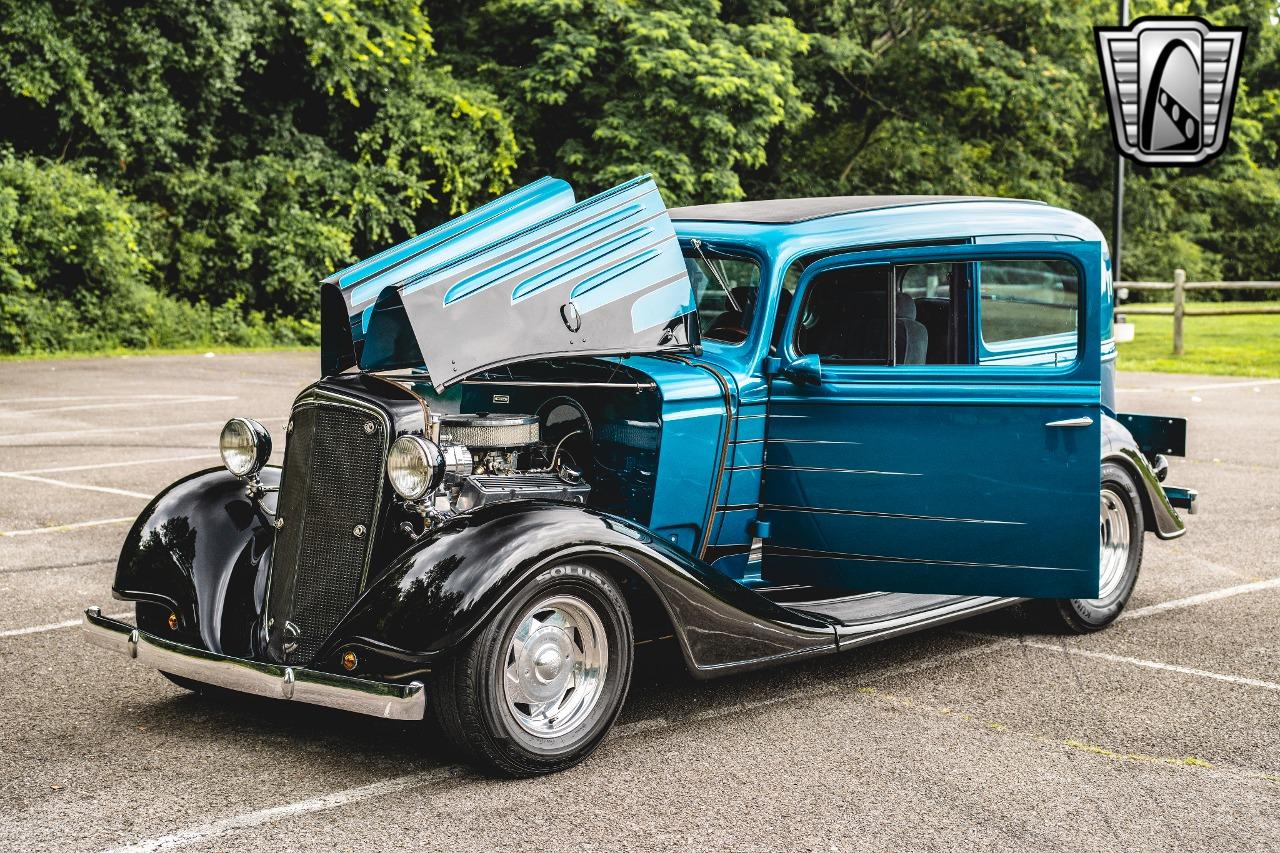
(810, 441)
(358, 695)
(838, 470)
(814, 554)
(1072, 422)
(871, 514)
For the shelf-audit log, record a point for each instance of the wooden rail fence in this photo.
(1180, 286)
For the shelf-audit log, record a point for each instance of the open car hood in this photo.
(529, 275)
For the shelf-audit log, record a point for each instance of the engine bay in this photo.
(493, 457)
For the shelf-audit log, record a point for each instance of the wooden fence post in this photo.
(1179, 299)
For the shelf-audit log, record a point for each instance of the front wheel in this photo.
(1120, 532)
(537, 688)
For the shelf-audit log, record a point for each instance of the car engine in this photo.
(493, 457)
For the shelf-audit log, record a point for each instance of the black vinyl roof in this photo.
(780, 211)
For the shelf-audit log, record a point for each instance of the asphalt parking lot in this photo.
(1161, 732)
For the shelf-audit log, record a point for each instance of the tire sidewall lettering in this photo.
(598, 580)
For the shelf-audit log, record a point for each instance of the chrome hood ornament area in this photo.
(529, 275)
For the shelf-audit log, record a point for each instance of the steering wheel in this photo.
(715, 334)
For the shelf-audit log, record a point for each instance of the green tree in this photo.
(608, 89)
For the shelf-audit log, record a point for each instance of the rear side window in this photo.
(1027, 299)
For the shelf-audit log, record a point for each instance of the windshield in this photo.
(725, 287)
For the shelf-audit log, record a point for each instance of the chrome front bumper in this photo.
(376, 698)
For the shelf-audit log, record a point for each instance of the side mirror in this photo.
(807, 369)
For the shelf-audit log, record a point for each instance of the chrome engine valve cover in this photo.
(489, 430)
(486, 489)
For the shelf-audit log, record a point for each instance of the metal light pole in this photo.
(1117, 202)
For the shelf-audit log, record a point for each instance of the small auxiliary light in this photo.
(350, 661)
(173, 621)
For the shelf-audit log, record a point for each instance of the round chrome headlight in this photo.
(415, 466)
(245, 446)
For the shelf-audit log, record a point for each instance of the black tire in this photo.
(468, 700)
(1086, 615)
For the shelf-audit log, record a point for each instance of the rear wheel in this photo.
(1120, 534)
(537, 689)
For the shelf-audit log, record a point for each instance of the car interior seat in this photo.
(912, 336)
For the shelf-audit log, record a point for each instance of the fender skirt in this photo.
(438, 593)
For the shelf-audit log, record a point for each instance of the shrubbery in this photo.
(74, 274)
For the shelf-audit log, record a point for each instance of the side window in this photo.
(1025, 313)
(931, 317)
(1023, 299)
(845, 317)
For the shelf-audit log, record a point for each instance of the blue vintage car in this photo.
(549, 430)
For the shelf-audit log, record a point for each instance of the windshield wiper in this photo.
(715, 273)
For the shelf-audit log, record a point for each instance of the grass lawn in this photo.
(1246, 345)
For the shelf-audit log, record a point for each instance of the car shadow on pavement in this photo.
(662, 689)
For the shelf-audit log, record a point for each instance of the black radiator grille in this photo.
(332, 482)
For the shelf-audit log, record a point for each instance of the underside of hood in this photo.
(529, 275)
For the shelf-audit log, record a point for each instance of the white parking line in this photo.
(22, 437)
(63, 528)
(54, 626)
(130, 404)
(83, 486)
(68, 399)
(1201, 598)
(324, 802)
(1153, 664)
(97, 465)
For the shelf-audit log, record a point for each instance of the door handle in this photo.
(1072, 422)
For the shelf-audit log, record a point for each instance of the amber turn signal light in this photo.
(349, 661)
(173, 621)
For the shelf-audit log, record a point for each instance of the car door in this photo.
(967, 466)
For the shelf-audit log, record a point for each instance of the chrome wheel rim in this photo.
(1114, 543)
(555, 667)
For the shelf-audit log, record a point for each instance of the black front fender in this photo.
(200, 549)
(443, 589)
